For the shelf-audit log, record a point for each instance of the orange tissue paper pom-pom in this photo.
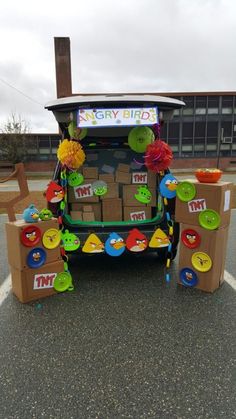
(70, 154)
(158, 156)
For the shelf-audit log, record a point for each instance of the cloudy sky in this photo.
(116, 46)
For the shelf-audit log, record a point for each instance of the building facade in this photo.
(202, 134)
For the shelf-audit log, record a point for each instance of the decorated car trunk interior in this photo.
(113, 193)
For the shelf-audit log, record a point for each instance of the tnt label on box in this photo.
(197, 205)
(43, 281)
(83, 191)
(139, 177)
(138, 216)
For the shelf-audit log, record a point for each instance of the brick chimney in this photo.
(63, 67)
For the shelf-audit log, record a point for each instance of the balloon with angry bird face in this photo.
(31, 214)
(114, 245)
(54, 192)
(136, 241)
(168, 186)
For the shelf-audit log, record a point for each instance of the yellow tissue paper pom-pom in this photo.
(70, 154)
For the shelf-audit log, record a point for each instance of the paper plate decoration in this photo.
(209, 219)
(168, 186)
(190, 238)
(143, 194)
(114, 245)
(54, 192)
(70, 241)
(31, 214)
(30, 236)
(62, 282)
(75, 179)
(186, 191)
(36, 257)
(70, 154)
(45, 214)
(201, 261)
(51, 238)
(136, 241)
(93, 245)
(99, 188)
(76, 132)
(139, 138)
(188, 277)
(159, 239)
(158, 156)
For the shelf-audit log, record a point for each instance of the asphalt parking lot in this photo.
(124, 344)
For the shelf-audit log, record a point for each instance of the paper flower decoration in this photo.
(70, 154)
(158, 156)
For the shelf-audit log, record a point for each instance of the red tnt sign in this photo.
(138, 216)
(44, 281)
(83, 191)
(197, 205)
(139, 177)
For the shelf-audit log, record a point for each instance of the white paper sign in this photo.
(43, 281)
(227, 201)
(83, 191)
(197, 205)
(116, 117)
(138, 216)
(139, 177)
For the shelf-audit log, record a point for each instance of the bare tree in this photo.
(14, 140)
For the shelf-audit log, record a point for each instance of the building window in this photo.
(200, 111)
(213, 102)
(188, 111)
(201, 101)
(213, 111)
(227, 111)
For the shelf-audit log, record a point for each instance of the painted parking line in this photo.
(5, 288)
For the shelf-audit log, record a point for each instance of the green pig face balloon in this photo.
(70, 241)
(75, 179)
(143, 195)
(45, 214)
(99, 188)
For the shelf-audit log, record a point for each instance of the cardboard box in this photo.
(76, 215)
(215, 196)
(112, 191)
(123, 177)
(33, 284)
(88, 216)
(123, 167)
(129, 199)
(108, 178)
(140, 213)
(90, 172)
(96, 209)
(112, 209)
(82, 193)
(214, 244)
(87, 208)
(152, 179)
(18, 252)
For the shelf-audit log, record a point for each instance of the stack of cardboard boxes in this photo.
(208, 242)
(119, 203)
(26, 244)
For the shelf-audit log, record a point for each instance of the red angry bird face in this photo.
(54, 192)
(136, 241)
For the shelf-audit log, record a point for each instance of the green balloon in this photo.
(139, 138)
(75, 132)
